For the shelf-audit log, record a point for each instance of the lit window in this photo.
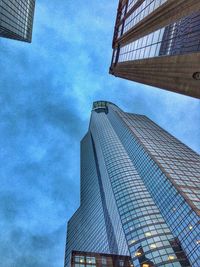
(79, 259)
(190, 227)
(153, 246)
(138, 254)
(145, 265)
(198, 242)
(171, 258)
(90, 260)
(148, 234)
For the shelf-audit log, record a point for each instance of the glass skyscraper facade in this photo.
(16, 19)
(140, 192)
(156, 42)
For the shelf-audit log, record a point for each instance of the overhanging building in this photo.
(156, 42)
(16, 19)
(140, 193)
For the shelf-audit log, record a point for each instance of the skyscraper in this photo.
(156, 42)
(16, 19)
(140, 193)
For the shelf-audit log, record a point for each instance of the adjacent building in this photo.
(156, 42)
(140, 194)
(16, 19)
(90, 259)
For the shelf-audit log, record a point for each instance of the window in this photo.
(79, 259)
(103, 261)
(79, 265)
(91, 260)
(121, 263)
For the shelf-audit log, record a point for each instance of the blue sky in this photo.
(46, 92)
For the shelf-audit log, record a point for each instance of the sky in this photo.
(46, 93)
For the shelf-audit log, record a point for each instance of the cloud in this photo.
(46, 92)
